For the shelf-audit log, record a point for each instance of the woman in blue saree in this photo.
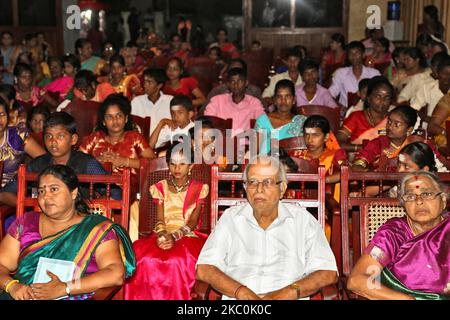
(411, 254)
(100, 250)
(284, 122)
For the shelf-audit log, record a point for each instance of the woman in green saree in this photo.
(100, 250)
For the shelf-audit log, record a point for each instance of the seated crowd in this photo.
(80, 114)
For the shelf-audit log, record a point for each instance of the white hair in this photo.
(273, 161)
(433, 177)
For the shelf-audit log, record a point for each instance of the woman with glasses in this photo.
(410, 253)
(382, 152)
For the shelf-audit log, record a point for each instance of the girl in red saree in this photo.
(399, 129)
(371, 122)
(166, 260)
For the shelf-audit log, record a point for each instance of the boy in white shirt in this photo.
(153, 103)
(182, 112)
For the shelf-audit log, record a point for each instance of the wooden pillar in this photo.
(15, 10)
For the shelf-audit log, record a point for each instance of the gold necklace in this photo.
(369, 115)
(178, 189)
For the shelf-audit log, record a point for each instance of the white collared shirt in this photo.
(344, 81)
(414, 85)
(143, 107)
(291, 248)
(167, 134)
(429, 94)
(269, 92)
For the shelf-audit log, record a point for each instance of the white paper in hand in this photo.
(62, 268)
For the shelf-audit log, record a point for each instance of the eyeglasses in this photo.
(267, 183)
(424, 196)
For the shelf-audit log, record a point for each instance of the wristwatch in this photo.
(295, 287)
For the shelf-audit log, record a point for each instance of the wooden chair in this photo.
(382, 66)
(258, 66)
(159, 62)
(361, 206)
(203, 291)
(220, 123)
(332, 114)
(352, 99)
(290, 144)
(85, 114)
(5, 211)
(104, 206)
(152, 171)
(327, 74)
(143, 125)
(205, 71)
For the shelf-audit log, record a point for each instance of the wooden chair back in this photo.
(85, 114)
(367, 212)
(205, 71)
(327, 74)
(142, 125)
(155, 170)
(447, 132)
(239, 198)
(258, 66)
(290, 144)
(106, 206)
(219, 123)
(159, 62)
(333, 115)
(5, 210)
(352, 99)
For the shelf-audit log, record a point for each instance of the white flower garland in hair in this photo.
(417, 126)
(439, 165)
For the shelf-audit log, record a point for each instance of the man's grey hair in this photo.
(433, 177)
(264, 160)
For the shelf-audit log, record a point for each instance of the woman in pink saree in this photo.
(60, 83)
(411, 253)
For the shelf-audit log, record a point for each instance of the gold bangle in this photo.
(360, 162)
(9, 284)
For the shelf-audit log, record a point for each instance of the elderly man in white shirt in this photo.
(266, 249)
(153, 103)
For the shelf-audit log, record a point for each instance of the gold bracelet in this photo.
(9, 284)
(128, 162)
(360, 162)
